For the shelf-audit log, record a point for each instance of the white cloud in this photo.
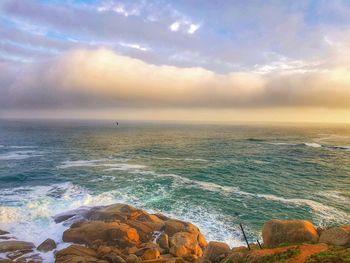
(134, 45)
(193, 28)
(175, 26)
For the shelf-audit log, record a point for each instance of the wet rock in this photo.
(2, 232)
(216, 251)
(276, 232)
(163, 241)
(47, 245)
(337, 236)
(7, 246)
(74, 215)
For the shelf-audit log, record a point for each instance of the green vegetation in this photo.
(273, 258)
(280, 257)
(333, 255)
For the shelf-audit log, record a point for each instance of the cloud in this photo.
(100, 78)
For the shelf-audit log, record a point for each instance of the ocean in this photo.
(215, 176)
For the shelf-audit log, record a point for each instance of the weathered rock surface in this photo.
(77, 254)
(338, 236)
(47, 245)
(276, 232)
(7, 246)
(112, 233)
(184, 244)
(122, 233)
(216, 251)
(19, 251)
(2, 232)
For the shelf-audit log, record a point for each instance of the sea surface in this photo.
(215, 176)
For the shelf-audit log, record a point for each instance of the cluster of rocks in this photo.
(121, 233)
(276, 232)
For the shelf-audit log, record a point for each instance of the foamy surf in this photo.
(31, 219)
(19, 155)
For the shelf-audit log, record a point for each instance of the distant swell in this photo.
(313, 145)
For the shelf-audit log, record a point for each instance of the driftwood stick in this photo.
(259, 244)
(245, 237)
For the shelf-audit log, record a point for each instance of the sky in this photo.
(203, 60)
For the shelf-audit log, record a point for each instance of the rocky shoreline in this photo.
(120, 233)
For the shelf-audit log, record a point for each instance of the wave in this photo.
(122, 167)
(255, 140)
(181, 159)
(22, 146)
(324, 212)
(30, 219)
(314, 145)
(18, 155)
(283, 143)
(90, 163)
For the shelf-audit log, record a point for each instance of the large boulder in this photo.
(77, 254)
(19, 251)
(2, 232)
(276, 232)
(114, 233)
(184, 244)
(216, 251)
(47, 245)
(173, 226)
(338, 236)
(8, 246)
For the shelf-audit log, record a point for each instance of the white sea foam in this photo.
(122, 167)
(181, 159)
(31, 219)
(91, 163)
(325, 213)
(22, 146)
(335, 196)
(283, 143)
(313, 144)
(19, 155)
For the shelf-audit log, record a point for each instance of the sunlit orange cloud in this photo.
(89, 80)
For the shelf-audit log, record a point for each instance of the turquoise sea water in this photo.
(216, 176)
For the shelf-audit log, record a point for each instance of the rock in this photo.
(216, 250)
(74, 215)
(163, 241)
(337, 236)
(114, 233)
(133, 259)
(112, 258)
(185, 244)
(276, 232)
(346, 228)
(7, 246)
(47, 245)
(174, 226)
(2, 232)
(77, 254)
(201, 240)
(152, 253)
